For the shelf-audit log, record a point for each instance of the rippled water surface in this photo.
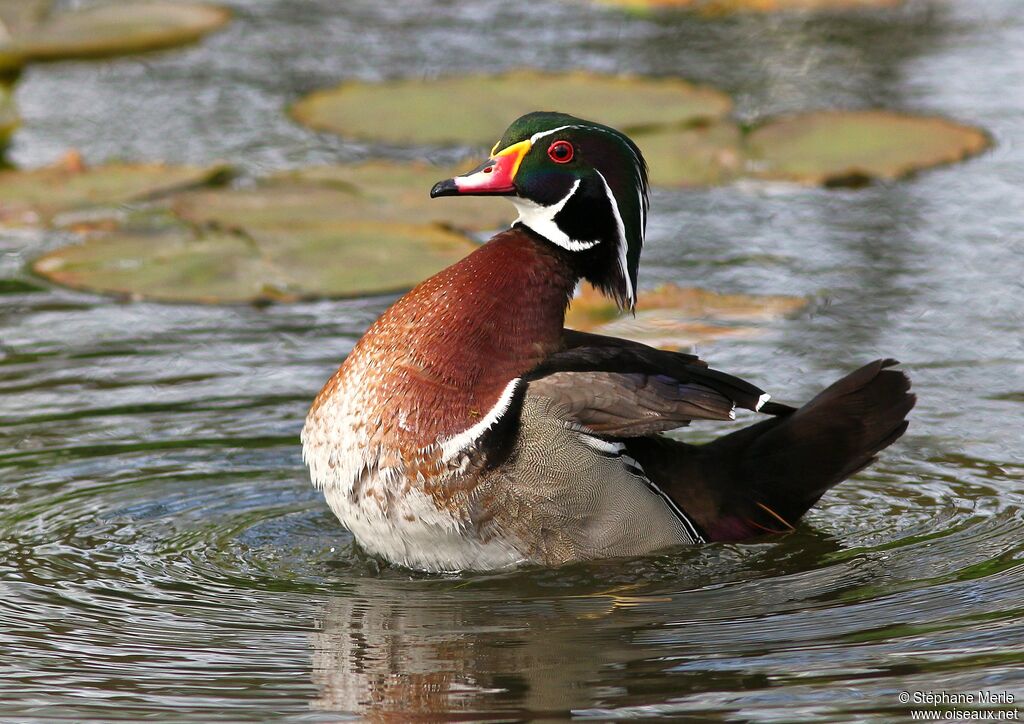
(163, 555)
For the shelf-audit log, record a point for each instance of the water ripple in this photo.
(161, 551)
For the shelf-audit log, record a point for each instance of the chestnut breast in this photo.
(439, 359)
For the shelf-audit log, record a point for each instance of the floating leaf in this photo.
(284, 205)
(405, 188)
(10, 65)
(8, 115)
(32, 196)
(162, 264)
(676, 317)
(17, 16)
(703, 156)
(850, 147)
(362, 258)
(701, 303)
(376, 191)
(477, 109)
(115, 29)
(727, 7)
(184, 264)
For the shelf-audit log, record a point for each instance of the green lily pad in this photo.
(357, 259)
(703, 156)
(115, 29)
(162, 264)
(178, 263)
(262, 206)
(375, 191)
(401, 192)
(476, 109)
(30, 197)
(851, 147)
(728, 7)
(676, 317)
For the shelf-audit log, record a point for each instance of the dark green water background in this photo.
(162, 554)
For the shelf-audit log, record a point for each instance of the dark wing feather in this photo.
(762, 478)
(596, 353)
(574, 339)
(631, 404)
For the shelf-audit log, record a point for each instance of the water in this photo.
(162, 554)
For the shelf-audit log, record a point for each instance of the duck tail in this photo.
(762, 478)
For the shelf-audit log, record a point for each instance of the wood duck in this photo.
(469, 429)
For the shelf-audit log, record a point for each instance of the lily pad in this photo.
(179, 263)
(703, 156)
(850, 147)
(728, 7)
(357, 259)
(401, 192)
(280, 205)
(115, 29)
(17, 16)
(676, 317)
(376, 191)
(476, 109)
(29, 197)
(8, 115)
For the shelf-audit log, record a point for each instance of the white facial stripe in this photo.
(641, 198)
(623, 264)
(636, 159)
(458, 443)
(542, 220)
(541, 134)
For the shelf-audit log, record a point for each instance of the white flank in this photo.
(458, 443)
(542, 220)
(622, 238)
(761, 400)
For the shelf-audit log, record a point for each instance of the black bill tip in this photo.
(444, 188)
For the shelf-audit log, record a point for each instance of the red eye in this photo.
(560, 152)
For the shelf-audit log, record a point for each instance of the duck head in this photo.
(580, 185)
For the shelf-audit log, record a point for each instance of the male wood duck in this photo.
(469, 429)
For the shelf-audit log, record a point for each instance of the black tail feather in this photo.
(762, 478)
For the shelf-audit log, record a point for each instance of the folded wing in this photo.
(620, 388)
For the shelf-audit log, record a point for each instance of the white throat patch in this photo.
(542, 220)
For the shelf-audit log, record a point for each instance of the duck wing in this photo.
(618, 404)
(763, 478)
(621, 388)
